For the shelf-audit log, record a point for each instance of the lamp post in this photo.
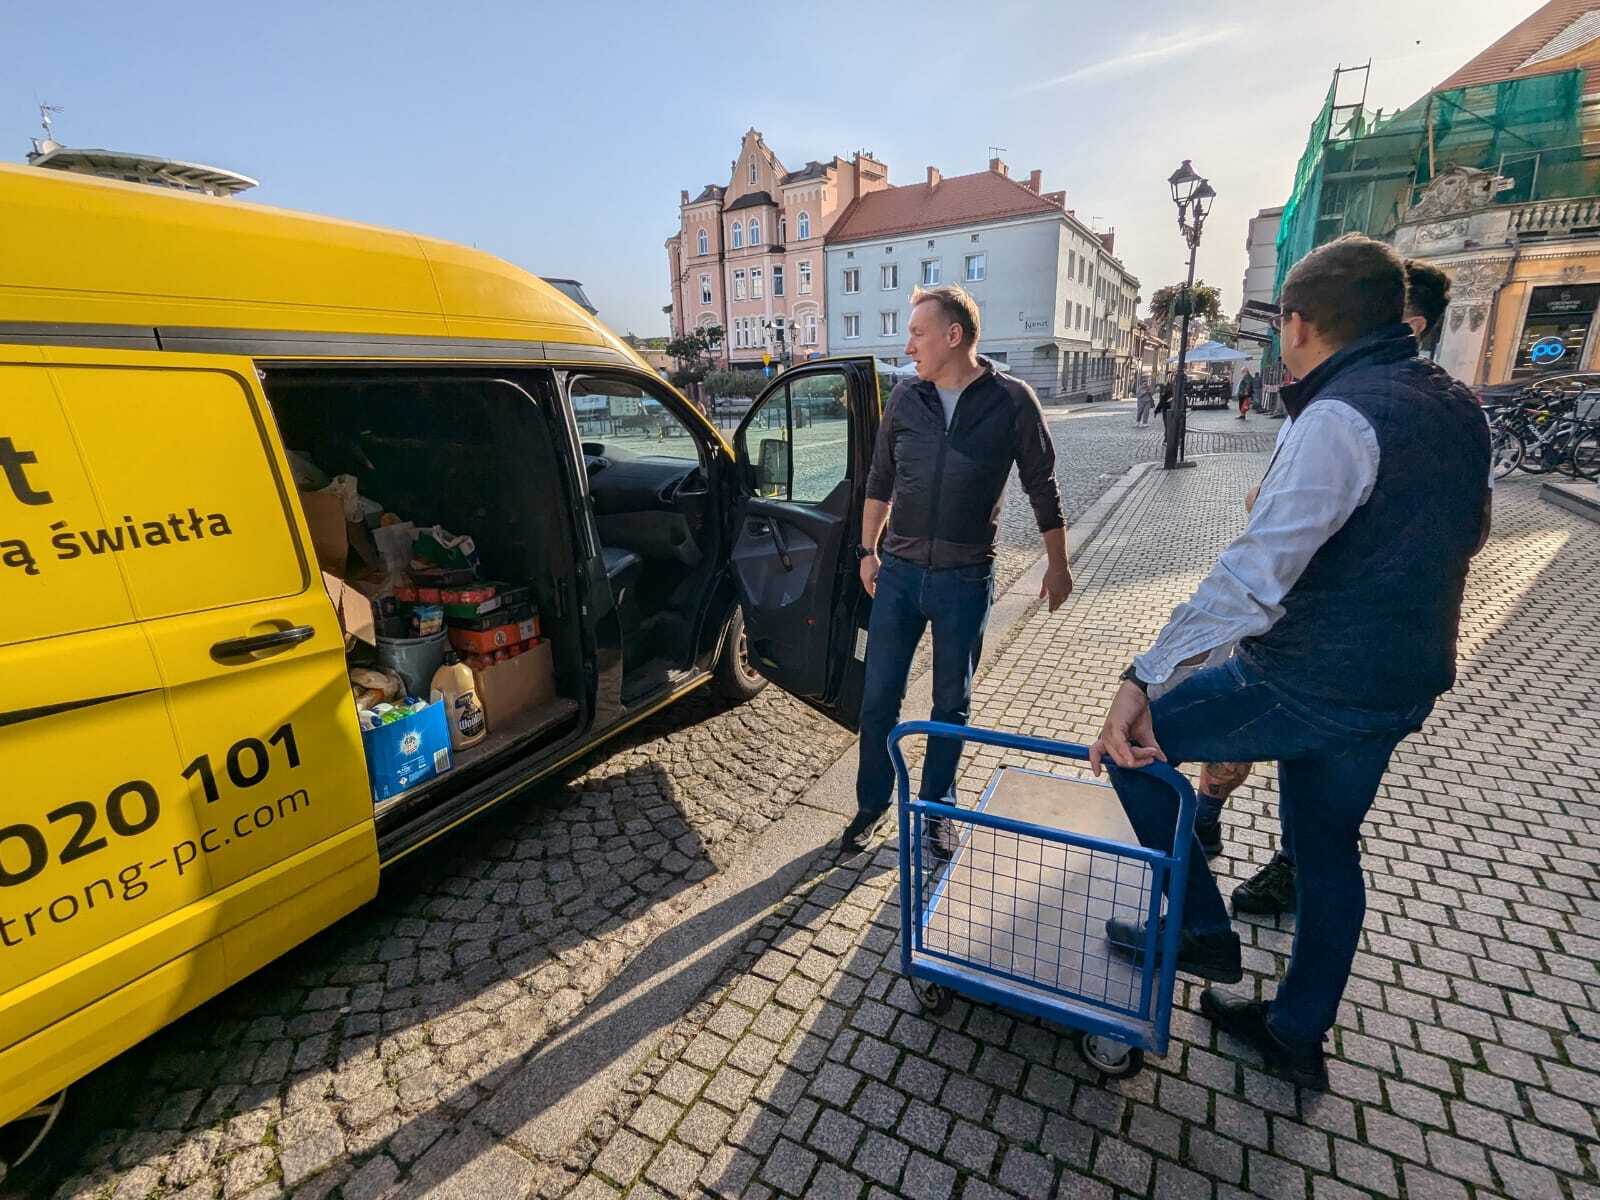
(1193, 196)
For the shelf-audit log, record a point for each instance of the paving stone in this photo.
(654, 1118)
(927, 1179)
(835, 1135)
(1124, 1165)
(1017, 1120)
(1026, 1173)
(972, 1148)
(881, 1157)
(676, 1169)
(1274, 1178)
(789, 1166)
(878, 1105)
(832, 1182)
(703, 1127)
(1365, 1167)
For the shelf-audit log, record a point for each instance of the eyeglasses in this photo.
(1276, 322)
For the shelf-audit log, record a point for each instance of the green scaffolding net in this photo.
(1361, 171)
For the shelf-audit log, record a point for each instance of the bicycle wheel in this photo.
(1583, 454)
(1506, 451)
(1545, 453)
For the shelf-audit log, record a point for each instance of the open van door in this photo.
(803, 452)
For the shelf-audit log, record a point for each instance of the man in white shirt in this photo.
(1343, 596)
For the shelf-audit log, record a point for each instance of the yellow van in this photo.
(189, 388)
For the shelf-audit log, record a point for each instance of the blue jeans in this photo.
(1330, 762)
(956, 601)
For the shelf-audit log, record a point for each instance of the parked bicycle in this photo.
(1553, 424)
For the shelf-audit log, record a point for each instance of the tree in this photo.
(1167, 306)
(1220, 329)
(693, 352)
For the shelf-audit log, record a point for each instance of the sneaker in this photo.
(939, 839)
(861, 830)
(1210, 835)
(1247, 1020)
(1269, 891)
(1213, 956)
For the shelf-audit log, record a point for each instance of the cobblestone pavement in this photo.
(379, 1033)
(1467, 1053)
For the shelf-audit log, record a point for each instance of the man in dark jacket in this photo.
(1344, 596)
(945, 448)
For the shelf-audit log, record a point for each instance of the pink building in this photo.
(748, 256)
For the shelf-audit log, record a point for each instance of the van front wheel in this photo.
(737, 679)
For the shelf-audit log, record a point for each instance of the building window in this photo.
(703, 243)
(805, 276)
(705, 289)
(752, 172)
(890, 273)
(758, 287)
(710, 323)
(738, 285)
(977, 267)
(811, 329)
(931, 270)
(738, 235)
(1072, 264)
(889, 323)
(805, 226)
(852, 325)
(755, 232)
(783, 228)
(852, 281)
(777, 280)
(974, 237)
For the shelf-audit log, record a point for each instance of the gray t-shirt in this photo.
(948, 398)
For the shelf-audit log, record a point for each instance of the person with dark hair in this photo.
(1271, 890)
(946, 444)
(1343, 599)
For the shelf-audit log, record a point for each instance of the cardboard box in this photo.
(409, 752)
(329, 534)
(509, 688)
(487, 641)
(357, 614)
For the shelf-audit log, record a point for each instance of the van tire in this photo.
(737, 680)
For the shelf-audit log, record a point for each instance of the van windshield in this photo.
(629, 422)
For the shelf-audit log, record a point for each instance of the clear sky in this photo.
(559, 136)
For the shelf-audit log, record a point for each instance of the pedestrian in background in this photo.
(1246, 390)
(1144, 401)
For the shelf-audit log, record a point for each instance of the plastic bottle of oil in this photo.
(453, 683)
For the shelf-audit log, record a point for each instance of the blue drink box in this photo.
(408, 752)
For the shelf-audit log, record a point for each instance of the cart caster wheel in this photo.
(1113, 1059)
(935, 1000)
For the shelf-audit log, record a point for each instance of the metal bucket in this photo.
(414, 659)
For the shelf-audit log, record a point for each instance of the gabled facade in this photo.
(749, 256)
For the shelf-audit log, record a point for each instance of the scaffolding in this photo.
(1361, 171)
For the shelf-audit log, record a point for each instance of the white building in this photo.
(1261, 248)
(1057, 306)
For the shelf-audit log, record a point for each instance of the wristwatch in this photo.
(1131, 675)
(865, 551)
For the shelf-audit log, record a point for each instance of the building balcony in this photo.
(1539, 219)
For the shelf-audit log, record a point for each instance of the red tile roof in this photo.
(958, 200)
(1503, 59)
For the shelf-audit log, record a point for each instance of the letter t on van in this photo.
(13, 462)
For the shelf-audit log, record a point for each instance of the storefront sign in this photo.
(1556, 329)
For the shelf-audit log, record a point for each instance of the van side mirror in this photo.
(772, 467)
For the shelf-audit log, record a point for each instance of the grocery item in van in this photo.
(453, 683)
(481, 641)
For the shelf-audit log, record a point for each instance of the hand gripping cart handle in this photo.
(1010, 902)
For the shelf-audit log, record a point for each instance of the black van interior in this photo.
(474, 455)
(659, 525)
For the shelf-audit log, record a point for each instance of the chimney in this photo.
(999, 168)
(1035, 181)
(1109, 240)
(933, 178)
(683, 196)
(1059, 199)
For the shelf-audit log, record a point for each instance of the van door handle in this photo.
(280, 639)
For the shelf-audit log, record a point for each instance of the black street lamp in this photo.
(1193, 195)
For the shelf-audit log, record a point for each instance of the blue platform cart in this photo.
(1008, 902)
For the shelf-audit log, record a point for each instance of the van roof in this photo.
(87, 252)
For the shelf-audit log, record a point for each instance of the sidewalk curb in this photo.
(554, 1097)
